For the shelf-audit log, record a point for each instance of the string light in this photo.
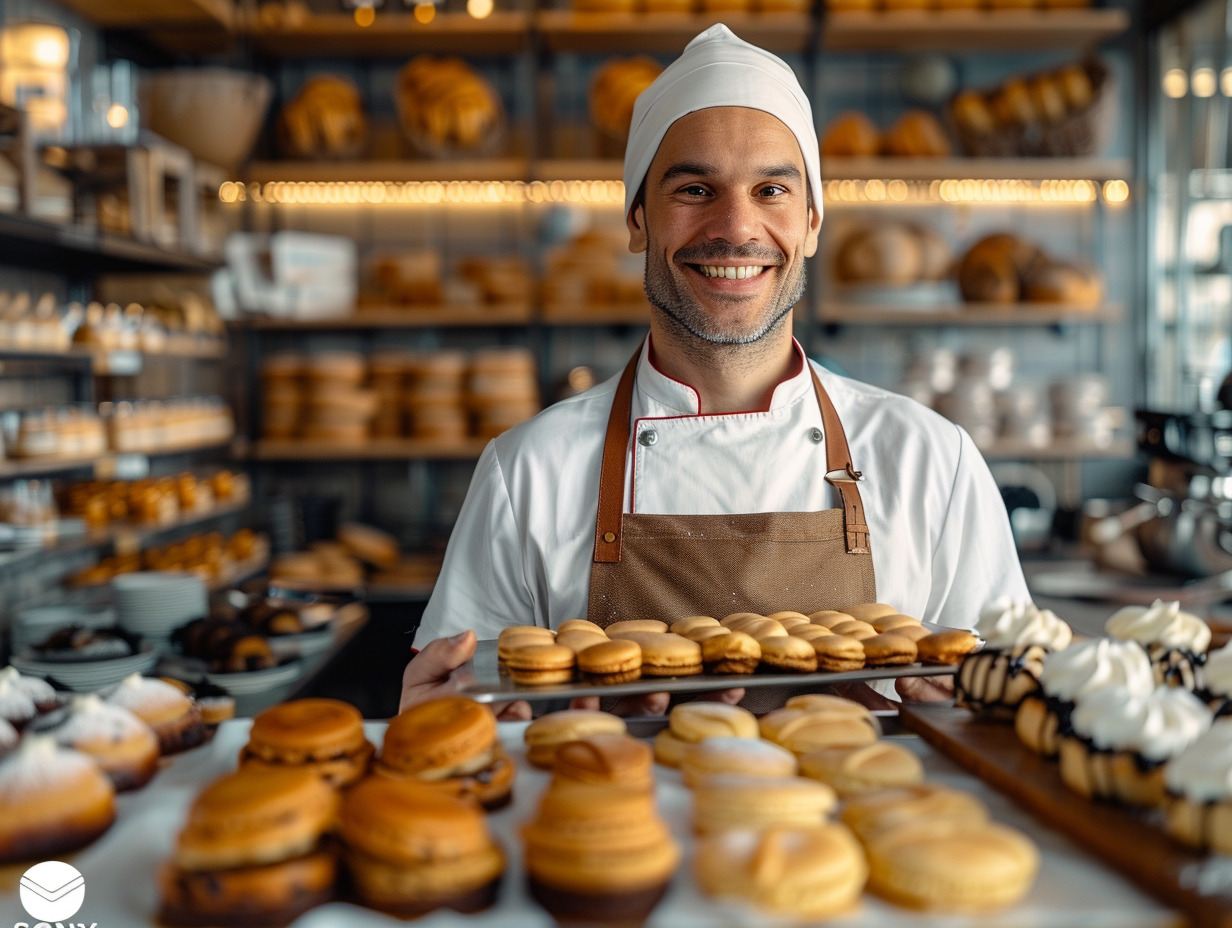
(479, 9)
(365, 16)
(425, 12)
(1204, 83)
(966, 191)
(1176, 83)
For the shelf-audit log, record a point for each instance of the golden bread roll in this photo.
(1047, 97)
(1076, 85)
(850, 135)
(446, 106)
(887, 253)
(614, 90)
(1060, 282)
(993, 269)
(916, 134)
(972, 114)
(324, 120)
(1012, 106)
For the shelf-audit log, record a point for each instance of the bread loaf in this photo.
(445, 106)
(993, 269)
(887, 253)
(324, 120)
(850, 135)
(614, 90)
(1060, 282)
(916, 134)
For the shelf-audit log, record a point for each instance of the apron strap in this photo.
(839, 472)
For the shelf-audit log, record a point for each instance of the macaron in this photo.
(787, 655)
(451, 741)
(948, 647)
(726, 801)
(668, 655)
(802, 731)
(838, 653)
(749, 756)
(409, 849)
(852, 770)
(887, 623)
(888, 649)
(541, 664)
(688, 623)
(731, 652)
(583, 625)
(622, 628)
(854, 628)
(618, 661)
(547, 733)
(869, 612)
(828, 618)
(605, 760)
(696, 721)
(578, 640)
(326, 735)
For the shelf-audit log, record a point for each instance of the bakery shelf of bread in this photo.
(1008, 29)
(312, 34)
(373, 449)
(1094, 169)
(968, 314)
(131, 14)
(667, 33)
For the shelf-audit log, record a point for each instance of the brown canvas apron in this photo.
(668, 567)
(671, 566)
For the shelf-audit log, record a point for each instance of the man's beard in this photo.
(678, 305)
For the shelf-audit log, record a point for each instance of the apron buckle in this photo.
(845, 475)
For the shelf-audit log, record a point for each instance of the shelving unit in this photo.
(103, 465)
(989, 30)
(375, 449)
(399, 317)
(968, 314)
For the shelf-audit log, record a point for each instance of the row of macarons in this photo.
(863, 635)
(1135, 717)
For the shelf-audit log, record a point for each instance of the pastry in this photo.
(1076, 85)
(731, 652)
(615, 88)
(916, 134)
(1120, 740)
(598, 855)
(611, 662)
(706, 632)
(540, 664)
(1198, 804)
(620, 629)
(1068, 284)
(8, 737)
(1175, 641)
(688, 624)
(444, 105)
(948, 647)
(877, 811)
(668, 655)
(325, 119)
(547, 733)
(252, 851)
(605, 760)
(580, 625)
(888, 650)
(860, 769)
(410, 850)
(888, 623)
(869, 612)
(827, 618)
(1017, 637)
(696, 721)
(972, 113)
(21, 696)
(125, 747)
(748, 756)
(810, 872)
(1071, 674)
(811, 632)
(521, 637)
(1215, 680)
(993, 269)
(668, 749)
(1011, 104)
(451, 741)
(951, 866)
(787, 655)
(850, 135)
(803, 730)
(854, 628)
(838, 653)
(736, 619)
(52, 800)
(578, 640)
(724, 801)
(761, 628)
(370, 545)
(173, 715)
(323, 735)
(916, 633)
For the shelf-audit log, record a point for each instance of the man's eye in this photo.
(694, 190)
(773, 190)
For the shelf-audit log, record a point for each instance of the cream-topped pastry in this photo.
(123, 745)
(1198, 807)
(1017, 637)
(1121, 740)
(1008, 623)
(1072, 674)
(1174, 639)
(169, 711)
(22, 697)
(8, 736)
(1215, 675)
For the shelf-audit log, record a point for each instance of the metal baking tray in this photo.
(490, 685)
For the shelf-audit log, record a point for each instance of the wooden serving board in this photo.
(1132, 841)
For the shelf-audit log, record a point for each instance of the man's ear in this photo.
(636, 221)
(814, 231)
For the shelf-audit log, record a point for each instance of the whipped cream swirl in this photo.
(1157, 725)
(1203, 771)
(1216, 676)
(1162, 624)
(1087, 666)
(1009, 623)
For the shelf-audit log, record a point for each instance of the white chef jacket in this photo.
(521, 551)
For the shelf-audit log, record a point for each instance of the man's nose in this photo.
(732, 219)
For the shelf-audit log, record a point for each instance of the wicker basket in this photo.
(1081, 133)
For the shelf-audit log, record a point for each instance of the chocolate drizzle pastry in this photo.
(1176, 666)
(993, 682)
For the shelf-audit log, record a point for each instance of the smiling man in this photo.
(722, 471)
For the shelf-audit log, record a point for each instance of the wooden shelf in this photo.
(1120, 449)
(597, 314)
(1095, 169)
(336, 35)
(968, 314)
(38, 467)
(579, 169)
(47, 246)
(668, 33)
(992, 30)
(393, 171)
(150, 14)
(383, 449)
(400, 317)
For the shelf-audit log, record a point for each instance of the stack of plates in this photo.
(31, 627)
(153, 604)
(85, 676)
(254, 690)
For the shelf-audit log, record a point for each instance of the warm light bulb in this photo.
(1116, 191)
(425, 12)
(364, 16)
(1204, 82)
(117, 116)
(49, 52)
(1176, 82)
(480, 9)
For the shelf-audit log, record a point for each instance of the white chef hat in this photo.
(719, 69)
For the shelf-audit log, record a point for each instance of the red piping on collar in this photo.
(792, 374)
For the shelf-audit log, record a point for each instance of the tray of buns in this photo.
(493, 683)
(1132, 841)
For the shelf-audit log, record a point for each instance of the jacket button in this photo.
(648, 438)
(816, 435)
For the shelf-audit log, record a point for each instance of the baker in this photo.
(722, 471)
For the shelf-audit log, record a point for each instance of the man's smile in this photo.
(731, 273)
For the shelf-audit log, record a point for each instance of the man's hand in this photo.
(925, 689)
(654, 703)
(437, 671)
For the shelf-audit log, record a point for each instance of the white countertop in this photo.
(1072, 889)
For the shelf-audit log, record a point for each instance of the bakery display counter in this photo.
(1072, 888)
